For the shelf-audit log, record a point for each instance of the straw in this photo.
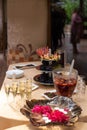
(71, 67)
(49, 52)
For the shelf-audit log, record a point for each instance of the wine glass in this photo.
(7, 90)
(28, 88)
(21, 91)
(14, 89)
(21, 88)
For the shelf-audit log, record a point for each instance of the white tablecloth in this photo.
(11, 119)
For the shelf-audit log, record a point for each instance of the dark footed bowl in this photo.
(49, 62)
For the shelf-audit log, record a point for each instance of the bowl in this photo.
(15, 73)
(64, 82)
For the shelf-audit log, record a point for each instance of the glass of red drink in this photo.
(64, 82)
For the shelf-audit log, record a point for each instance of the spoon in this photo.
(71, 67)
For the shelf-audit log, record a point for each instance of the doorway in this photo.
(83, 6)
(61, 11)
(3, 25)
(69, 6)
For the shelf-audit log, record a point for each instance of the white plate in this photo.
(15, 73)
(34, 86)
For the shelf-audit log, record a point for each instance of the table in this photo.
(11, 119)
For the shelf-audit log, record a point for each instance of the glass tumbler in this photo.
(64, 82)
(80, 88)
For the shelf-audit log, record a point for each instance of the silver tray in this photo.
(74, 110)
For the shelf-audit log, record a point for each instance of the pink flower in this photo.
(57, 116)
(41, 109)
(53, 115)
(42, 51)
(46, 109)
(37, 109)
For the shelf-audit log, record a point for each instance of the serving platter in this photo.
(60, 103)
(37, 78)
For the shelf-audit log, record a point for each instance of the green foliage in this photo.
(85, 8)
(85, 23)
(69, 6)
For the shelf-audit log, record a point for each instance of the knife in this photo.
(25, 66)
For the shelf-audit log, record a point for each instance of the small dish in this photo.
(15, 73)
(49, 94)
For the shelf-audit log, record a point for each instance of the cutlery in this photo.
(25, 66)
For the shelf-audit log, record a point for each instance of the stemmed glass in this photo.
(28, 88)
(14, 89)
(21, 90)
(7, 90)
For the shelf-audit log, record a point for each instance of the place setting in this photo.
(61, 109)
